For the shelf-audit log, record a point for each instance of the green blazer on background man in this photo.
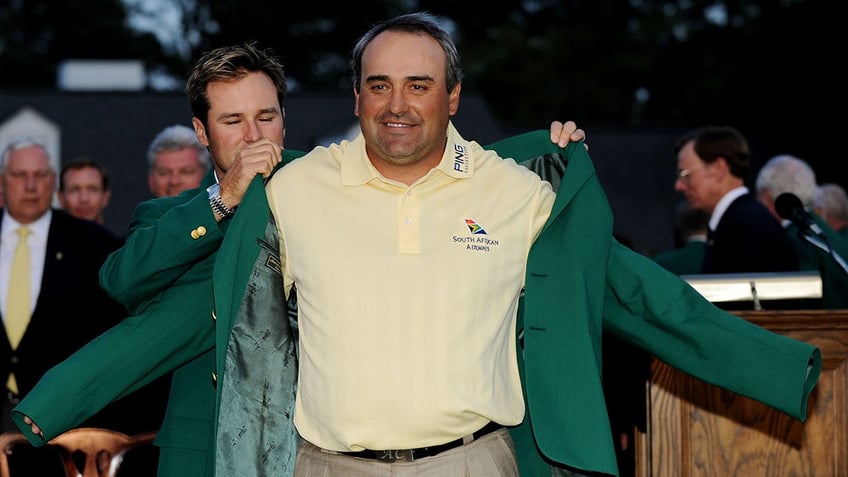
(684, 260)
(579, 280)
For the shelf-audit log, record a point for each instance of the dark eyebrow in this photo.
(373, 78)
(426, 78)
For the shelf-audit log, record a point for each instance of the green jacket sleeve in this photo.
(163, 242)
(663, 314)
(169, 331)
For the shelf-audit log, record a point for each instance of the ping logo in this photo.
(460, 159)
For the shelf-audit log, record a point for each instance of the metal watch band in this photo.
(217, 203)
(219, 206)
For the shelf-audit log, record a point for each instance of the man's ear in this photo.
(200, 131)
(283, 113)
(453, 99)
(720, 167)
(355, 102)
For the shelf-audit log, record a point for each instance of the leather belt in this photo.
(409, 455)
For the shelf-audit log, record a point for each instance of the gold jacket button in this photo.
(201, 231)
(194, 234)
(214, 316)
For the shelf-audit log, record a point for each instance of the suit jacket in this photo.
(810, 257)
(71, 309)
(748, 239)
(579, 280)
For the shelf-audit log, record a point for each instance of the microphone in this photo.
(788, 206)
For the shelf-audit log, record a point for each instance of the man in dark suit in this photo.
(66, 307)
(743, 237)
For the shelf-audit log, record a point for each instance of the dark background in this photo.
(634, 74)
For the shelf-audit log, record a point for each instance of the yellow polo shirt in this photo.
(407, 295)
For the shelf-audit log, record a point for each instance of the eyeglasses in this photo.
(685, 174)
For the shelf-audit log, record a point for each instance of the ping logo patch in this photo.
(460, 159)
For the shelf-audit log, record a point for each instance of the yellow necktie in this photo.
(18, 309)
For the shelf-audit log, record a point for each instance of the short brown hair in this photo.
(230, 63)
(713, 142)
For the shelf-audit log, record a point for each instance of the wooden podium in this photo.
(695, 429)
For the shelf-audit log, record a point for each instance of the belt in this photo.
(409, 455)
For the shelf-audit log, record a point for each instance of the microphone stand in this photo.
(824, 245)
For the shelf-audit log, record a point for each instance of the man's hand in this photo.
(35, 429)
(259, 157)
(562, 133)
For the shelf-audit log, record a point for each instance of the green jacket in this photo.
(579, 280)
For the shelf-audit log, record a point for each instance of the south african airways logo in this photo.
(478, 241)
(474, 227)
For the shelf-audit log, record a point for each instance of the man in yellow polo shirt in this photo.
(410, 249)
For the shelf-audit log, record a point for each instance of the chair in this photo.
(85, 451)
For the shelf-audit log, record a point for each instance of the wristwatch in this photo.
(217, 204)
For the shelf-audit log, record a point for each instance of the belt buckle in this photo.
(394, 455)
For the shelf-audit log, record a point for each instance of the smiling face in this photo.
(403, 105)
(241, 112)
(28, 183)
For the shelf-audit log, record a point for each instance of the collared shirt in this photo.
(37, 250)
(407, 295)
